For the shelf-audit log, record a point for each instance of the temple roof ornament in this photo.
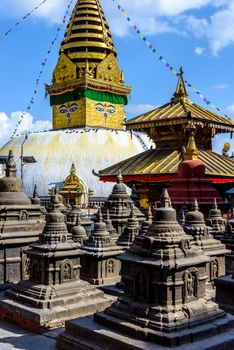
(192, 151)
(181, 92)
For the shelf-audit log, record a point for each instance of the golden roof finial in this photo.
(181, 91)
(73, 169)
(86, 25)
(192, 151)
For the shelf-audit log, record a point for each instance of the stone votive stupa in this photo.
(228, 240)
(196, 227)
(54, 292)
(164, 303)
(78, 232)
(216, 222)
(130, 232)
(99, 263)
(119, 204)
(20, 224)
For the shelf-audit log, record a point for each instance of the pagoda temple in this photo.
(87, 96)
(166, 126)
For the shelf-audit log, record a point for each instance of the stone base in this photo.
(225, 292)
(112, 290)
(39, 315)
(86, 334)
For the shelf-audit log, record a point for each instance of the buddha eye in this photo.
(73, 108)
(63, 110)
(99, 107)
(111, 109)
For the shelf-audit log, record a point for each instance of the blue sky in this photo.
(197, 34)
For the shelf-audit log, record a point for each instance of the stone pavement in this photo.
(14, 337)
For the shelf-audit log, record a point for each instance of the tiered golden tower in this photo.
(87, 87)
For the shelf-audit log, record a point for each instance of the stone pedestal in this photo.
(225, 292)
(213, 248)
(100, 264)
(54, 291)
(164, 301)
(20, 224)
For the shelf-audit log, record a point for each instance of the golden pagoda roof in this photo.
(178, 111)
(165, 161)
(87, 38)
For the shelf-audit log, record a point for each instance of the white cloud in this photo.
(138, 109)
(221, 86)
(199, 50)
(152, 16)
(8, 125)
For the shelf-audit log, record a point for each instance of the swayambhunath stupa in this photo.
(87, 97)
(117, 233)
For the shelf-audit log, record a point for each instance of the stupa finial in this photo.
(149, 214)
(192, 151)
(100, 216)
(165, 199)
(10, 165)
(195, 205)
(73, 169)
(119, 177)
(215, 205)
(35, 193)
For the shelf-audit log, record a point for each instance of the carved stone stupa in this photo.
(216, 222)
(99, 263)
(20, 225)
(164, 301)
(130, 232)
(119, 204)
(54, 291)
(228, 240)
(196, 227)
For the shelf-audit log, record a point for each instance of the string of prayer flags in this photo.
(166, 63)
(42, 68)
(4, 35)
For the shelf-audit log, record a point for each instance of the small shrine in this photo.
(78, 232)
(195, 226)
(164, 303)
(225, 284)
(216, 222)
(130, 232)
(99, 263)
(147, 223)
(119, 204)
(191, 181)
(228, 240)
(157, 167)
(73, 190)
(54, 292)
(20, 224)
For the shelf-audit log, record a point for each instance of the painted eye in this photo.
(100, 109)
(111, 110)
(63, 110)
(73, 108)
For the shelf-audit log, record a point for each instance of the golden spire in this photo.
(87, 38)
(181, 91)
(192, 151)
